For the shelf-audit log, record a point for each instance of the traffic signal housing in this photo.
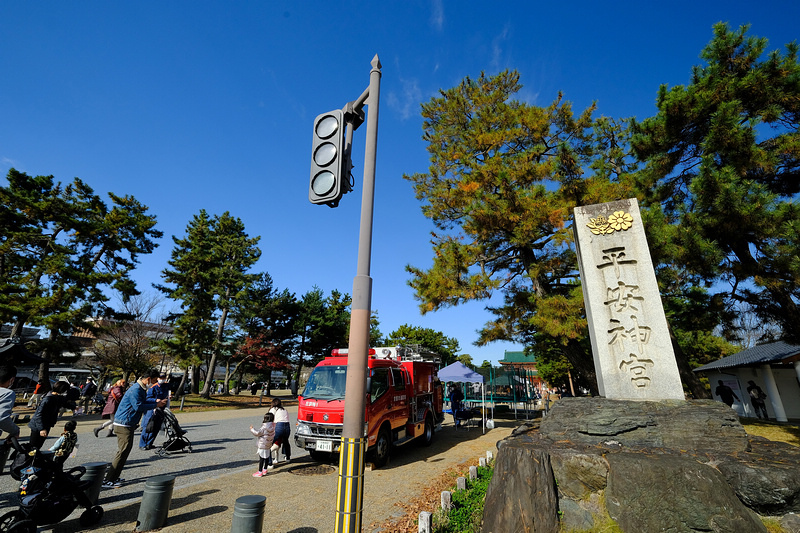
(329, 168)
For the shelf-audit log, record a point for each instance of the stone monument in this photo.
(631, 345)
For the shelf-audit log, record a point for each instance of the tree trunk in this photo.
(215, 353)
(182, 384)
(195, 379)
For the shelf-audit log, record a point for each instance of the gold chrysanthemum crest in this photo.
(618, 221)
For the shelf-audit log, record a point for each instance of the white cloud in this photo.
(407, 103)
(498, 62)
(437, 15)
(5, 162)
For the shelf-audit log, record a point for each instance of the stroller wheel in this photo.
(23, 526)
(11, 518)
(91, 516)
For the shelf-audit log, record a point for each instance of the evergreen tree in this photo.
(436, 341)
(61, 248)
(208, 273)
(723, 173)
(503, 180)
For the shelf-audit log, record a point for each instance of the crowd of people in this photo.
(126, 408)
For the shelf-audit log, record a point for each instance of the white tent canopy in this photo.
(458, 372)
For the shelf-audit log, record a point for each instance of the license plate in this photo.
(324, 446)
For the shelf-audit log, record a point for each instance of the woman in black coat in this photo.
(46, 414)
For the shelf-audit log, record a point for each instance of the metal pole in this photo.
(350, 490)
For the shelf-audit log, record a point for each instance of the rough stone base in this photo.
(650, 466)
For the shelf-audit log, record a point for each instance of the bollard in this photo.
(155, 503)
(489, 456)
(95, 472)
(482, 461)
(473, 473)
(248, 514)
(183, 398)
(425, 522)
(447, 500)
(461, 484)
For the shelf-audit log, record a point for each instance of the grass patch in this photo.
(774, 431)
(466, 513)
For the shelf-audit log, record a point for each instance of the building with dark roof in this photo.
(774, 367)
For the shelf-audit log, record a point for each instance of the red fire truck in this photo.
(404, 402)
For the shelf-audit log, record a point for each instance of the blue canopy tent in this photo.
(458, 372)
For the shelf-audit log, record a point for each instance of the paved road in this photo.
(218, 471)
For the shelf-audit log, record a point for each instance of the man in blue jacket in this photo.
(159, 391)
(127, 417)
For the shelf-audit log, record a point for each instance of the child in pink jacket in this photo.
(266, 435)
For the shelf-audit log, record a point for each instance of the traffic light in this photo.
(328, 160)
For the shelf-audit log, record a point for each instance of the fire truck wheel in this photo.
(382, 446)
(427, 437)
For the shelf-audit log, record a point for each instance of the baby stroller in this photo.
(176, 440)
(46, 494)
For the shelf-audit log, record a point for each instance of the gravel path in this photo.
(300, 499)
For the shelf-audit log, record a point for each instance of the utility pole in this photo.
(352, 450)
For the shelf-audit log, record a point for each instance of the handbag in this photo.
(155, 421)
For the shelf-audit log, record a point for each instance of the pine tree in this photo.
(208, 273)
(723, 174)
(61, 248)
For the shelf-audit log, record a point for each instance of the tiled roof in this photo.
(517, 357)
(774, 352)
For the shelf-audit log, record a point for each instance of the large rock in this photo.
(689, 426)
(521, 495)
(673, 493)
(649, 466)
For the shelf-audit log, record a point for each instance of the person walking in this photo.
(129, 412)
(7, 399)
(725, 393)
(115, 395)
(265, 434)
(757, 398)
(47, 411)
(88, 391)
(282, 431)
(456, 397)
(159, 391)
(36, 397)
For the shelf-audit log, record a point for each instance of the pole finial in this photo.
(376, 62)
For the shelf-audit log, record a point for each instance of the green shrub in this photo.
(466, 512)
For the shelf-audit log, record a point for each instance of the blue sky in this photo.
(209, 105)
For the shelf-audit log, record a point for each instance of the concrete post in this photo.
(248, 514)
(473, 473)
(425, 522)
(461, 483)
(95, 472)
(155, 503)
(489, 456)
(482, 461)
(773, 394)
(447, 500)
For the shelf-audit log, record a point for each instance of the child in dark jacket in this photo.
(265, 434)
(46, 414)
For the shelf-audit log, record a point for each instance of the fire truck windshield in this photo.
(326, 383)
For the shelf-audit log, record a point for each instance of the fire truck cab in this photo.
(404, 402)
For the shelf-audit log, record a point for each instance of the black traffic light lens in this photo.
(327, 126)
(323, 183)
(325, 154)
